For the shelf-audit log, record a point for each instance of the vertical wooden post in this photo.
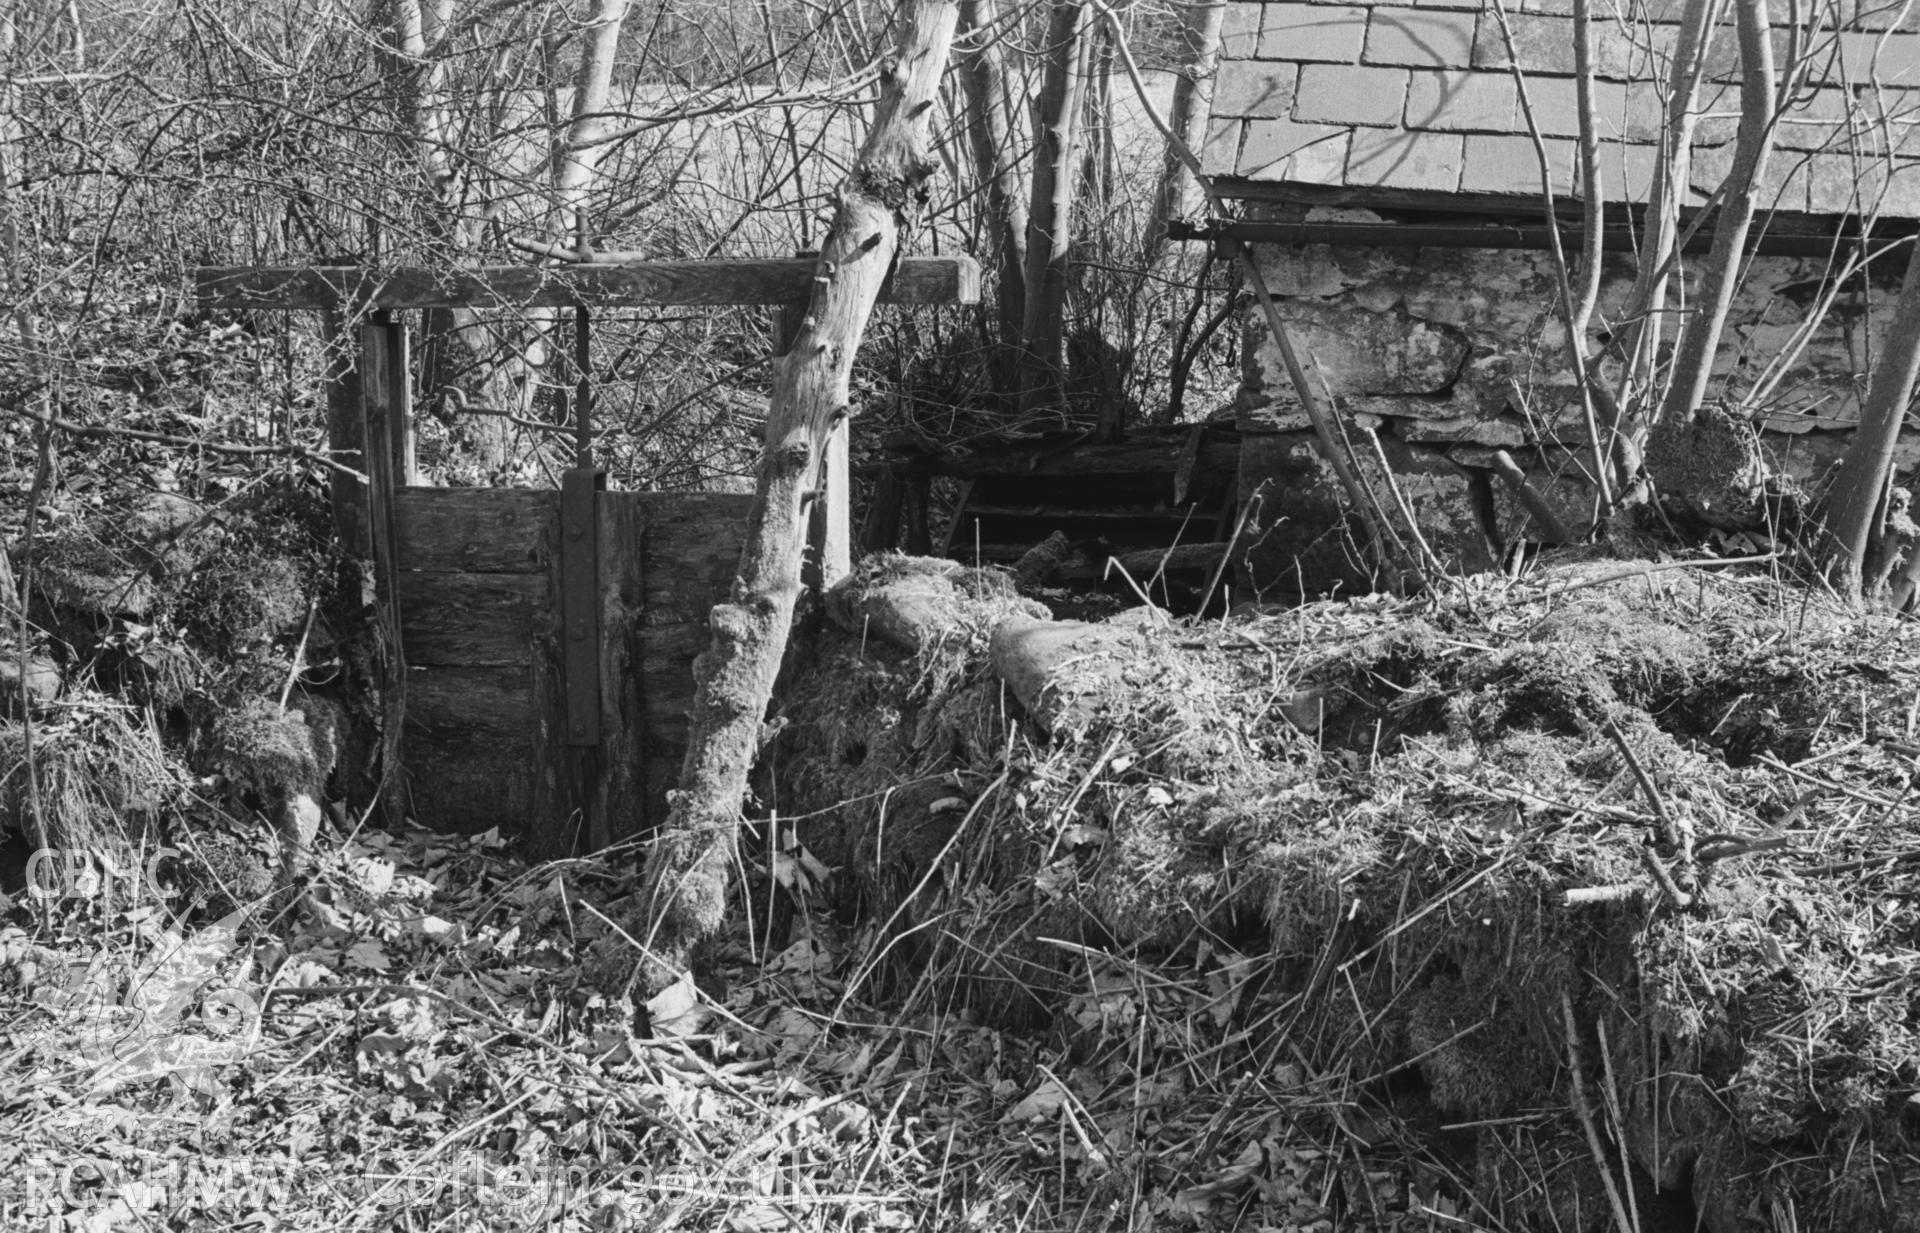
(346, 433)
(406, 458)
(919, 534)
(881, 533)
(384, 397)
(580, 603)
(831, 529)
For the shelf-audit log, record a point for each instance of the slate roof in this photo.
(1421, 100)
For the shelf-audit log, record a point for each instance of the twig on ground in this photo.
(1681, 899)
(1670, 828)
(1583, 1110)
(1159, 614)
(1619, 892)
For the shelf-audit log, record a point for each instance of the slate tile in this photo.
(1299, 153)
(1391, 159)
(1255, 88)
(1512, 165)
(1421, 38)
(1459, 101)
(1220, 156)
(1351, 94)
(1331, 33)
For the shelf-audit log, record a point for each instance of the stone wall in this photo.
(1446, 355)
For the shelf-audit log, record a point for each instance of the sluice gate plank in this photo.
(477, 583)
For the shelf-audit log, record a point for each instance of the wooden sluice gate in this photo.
(536, 645)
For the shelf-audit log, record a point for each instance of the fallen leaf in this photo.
(437, 929)
(676, 1010)
(167, 984)
(1044, 1101)
(760, 1218)
(794, 1028)
(368, 955)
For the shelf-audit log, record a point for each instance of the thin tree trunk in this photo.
(1693, 361)
(1634, 406)
(1099, 174)
(1178, 194)
(686, 879)
(1571, 304)
(1645, 309)
(1857, 509)
(487, 356)
(1050, 220)
(581, 159)
(1592, 192)
(418, 82)
(991, 133)
(33, 356)
(460, 348)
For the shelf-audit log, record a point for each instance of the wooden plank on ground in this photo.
(915, 281)
(475, 530)
(469, 620)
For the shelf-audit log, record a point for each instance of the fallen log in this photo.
(918, 603)
(1060, 670)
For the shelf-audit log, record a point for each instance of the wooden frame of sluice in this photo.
(536, 653)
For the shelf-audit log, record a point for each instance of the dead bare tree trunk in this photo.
(686, 878)
(991, 132)
(1050, 220)
(1856, 512)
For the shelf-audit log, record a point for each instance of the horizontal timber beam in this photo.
(915, 281)
(1138, 457)
(1389, 234)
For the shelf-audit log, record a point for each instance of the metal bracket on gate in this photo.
(580, 562)
(580, 600)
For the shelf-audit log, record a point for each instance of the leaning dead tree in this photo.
(685, 892)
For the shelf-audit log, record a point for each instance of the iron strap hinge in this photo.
(580, 600)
